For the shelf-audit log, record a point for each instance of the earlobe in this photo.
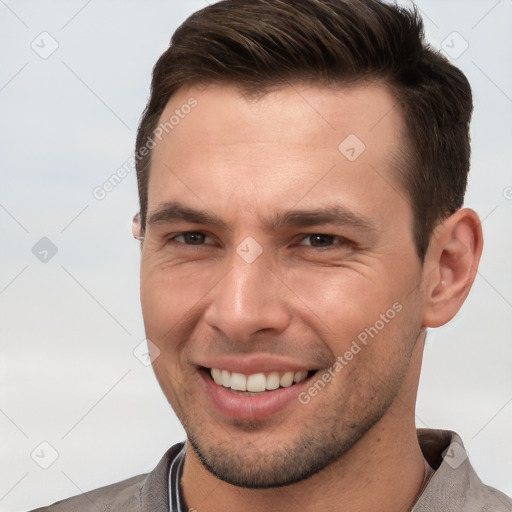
(451, 265)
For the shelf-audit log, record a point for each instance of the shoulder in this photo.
(484, 498)
(148, 491)
(455, 485)
(123, 495)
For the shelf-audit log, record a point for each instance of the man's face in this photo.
(272, 249)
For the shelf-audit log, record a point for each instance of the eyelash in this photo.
(342, 240)
(172, 239)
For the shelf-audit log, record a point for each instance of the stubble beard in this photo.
(319, 444)
(319, 439)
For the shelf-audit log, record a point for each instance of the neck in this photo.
(384, 471)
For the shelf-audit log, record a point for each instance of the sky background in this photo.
(74, 80)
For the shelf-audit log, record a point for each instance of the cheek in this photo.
(163, 320)
(167, 291)
(172, 300)
(347, 306)
(170, 380)
(161, 302)
(159, 308)
(342, 298)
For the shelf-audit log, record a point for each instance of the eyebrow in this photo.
(330, 214)
(173, 211)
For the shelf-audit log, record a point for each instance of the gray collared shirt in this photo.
(453, 487)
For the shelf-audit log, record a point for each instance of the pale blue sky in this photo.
(68, 326)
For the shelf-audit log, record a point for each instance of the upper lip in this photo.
(249, 365)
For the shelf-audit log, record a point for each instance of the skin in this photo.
(354, 445)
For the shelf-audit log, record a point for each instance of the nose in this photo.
(249, 300)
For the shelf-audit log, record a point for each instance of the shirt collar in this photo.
(175, 471)
(453, 483)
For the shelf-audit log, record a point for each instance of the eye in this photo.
(190, 238)
(323, 240)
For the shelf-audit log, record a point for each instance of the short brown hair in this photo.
(259, 45)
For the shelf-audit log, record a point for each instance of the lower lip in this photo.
(256, 407)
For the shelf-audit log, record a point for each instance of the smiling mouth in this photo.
(256, 383)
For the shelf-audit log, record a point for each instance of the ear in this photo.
(136, 228)
(450, 266)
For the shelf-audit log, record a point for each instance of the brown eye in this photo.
(320, 240)
(190, 238)
(324, 241)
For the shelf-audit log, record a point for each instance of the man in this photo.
(301, 167)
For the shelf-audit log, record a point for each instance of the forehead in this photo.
(296, 143)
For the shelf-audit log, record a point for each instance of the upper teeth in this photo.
(257, 381)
